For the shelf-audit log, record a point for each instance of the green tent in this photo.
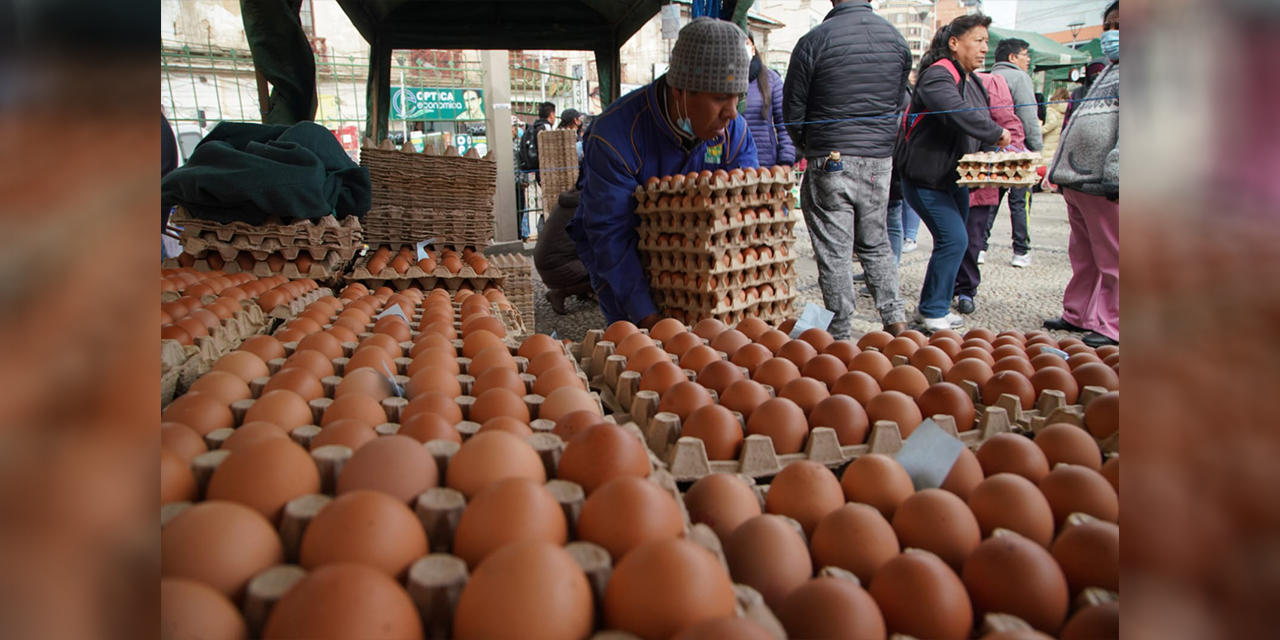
(1062, 75)
(1045, 52)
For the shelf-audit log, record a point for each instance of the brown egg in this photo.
(396, 465)
(1093, 374)
(1077, 359)
(199, 411)
(666, 329)
(1019, 364)
(345, 600)
(806, 393)
(843, 414)
(804, 491)
(304, 324)
(508, 595)
(751, 357)
(189, 609)
(617, 331)
(354, 406)
(553, 379)
(716, 376)
(1095, 622)
(872, 363)
(906, 379)
(709, 328)
(773, 340)
(317, 363)
(1010, 351)
(975, 353)
(1102, 416)
(243, 364)
(697, 358)
(683, 398)
(768, 554)
(664, 587)
(895, 406)
(646, 357)
(947, 346)
(386, 342)
(1008, 501)
(425, 427)
(1089, 554)
(965, 475)
(875, 339)
(721, 501)
(1011, 574)
(744, 396)
(948, 399)
(499, 378)
(798, 352)
(718, 429)
(220, 544)
(298, 380)
(1067, 443)
(627, 512)
(1072, 488)
(499, 402)
(877, 480)
(226, 387)
(980, 343)
(547, 361)
(857, 385)
(725, 629)
(680, 343)
(506, 423)
(824, 368)
(265, 347)
(342, 333)
(600, 453)
(290, 334)
(1012, 453)
(366, 382)
(433, 381)
(567, 400)
(181, 441)
(783, 421)
(251, 432)
(369, 527)
(900, 346)
(920, 596)
(831, 608)
(857, 538)
(490, 358)
(1009, 382)
(489, 457)
(265, 476)
(974, 370)
(538, 344)
(433, 403)
(1043, 360)
(844, 350)
(940, 522)
(283, 408)
(511, 510)
(730, 341)
(348, 433)
(930, 356)
(632, 343)
(478, 341)
(176, 480)
(777, 373)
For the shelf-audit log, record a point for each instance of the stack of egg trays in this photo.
(318, 237)
(998, 169)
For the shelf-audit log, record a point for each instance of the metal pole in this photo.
(404, 123)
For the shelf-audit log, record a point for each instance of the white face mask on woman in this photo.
(1110, 41)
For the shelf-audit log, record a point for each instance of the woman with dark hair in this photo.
(1087, 169)
(764, 113)
(950, 119)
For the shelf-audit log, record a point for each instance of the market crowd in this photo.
(879, 142)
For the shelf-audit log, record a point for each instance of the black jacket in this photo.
(934, 142)
(555, 248)
(853, 64)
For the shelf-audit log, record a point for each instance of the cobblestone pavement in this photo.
(1009, 297)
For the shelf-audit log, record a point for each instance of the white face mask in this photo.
(683, 122)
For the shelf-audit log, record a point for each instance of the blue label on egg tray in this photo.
(928, 455)
(1057, 352)
(395, 386)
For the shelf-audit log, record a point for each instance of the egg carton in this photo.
(734, 299)
(361, 272)
(181, 365)
(519, 284)
(699, 207)
(760, 220)
(510, 317)
(274, 235)
(718, 286)
(719, 183)
(664, 240)
(396, 224)
(721, 261)
(404, 177)
(774, 313)
(325, 270)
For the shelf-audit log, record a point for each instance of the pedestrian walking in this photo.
(764, 113)
(1013, 62)
(846, 80)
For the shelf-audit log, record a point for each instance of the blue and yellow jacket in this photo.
(629, 143)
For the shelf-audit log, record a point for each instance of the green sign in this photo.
(412, 103)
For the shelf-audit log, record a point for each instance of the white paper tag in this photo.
(928, 455)
(395, 386)
(1057, 352)
(813, 316)
(393, 310)
(422, 248)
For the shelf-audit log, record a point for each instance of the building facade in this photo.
(1064, 21)
(948, 10)
(914, 19)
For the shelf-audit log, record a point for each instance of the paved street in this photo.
(1009, 298)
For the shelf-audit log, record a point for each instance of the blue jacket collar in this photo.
(660, 118)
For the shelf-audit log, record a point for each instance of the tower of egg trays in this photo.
(418, 196)
(557, 164)
(719, 245)
(319, 249)
(998, 169)
(519, 283)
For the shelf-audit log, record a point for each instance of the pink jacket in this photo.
(1001, 101)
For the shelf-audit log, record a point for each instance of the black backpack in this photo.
(529, 146)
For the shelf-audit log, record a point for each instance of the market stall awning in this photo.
(1045, 52)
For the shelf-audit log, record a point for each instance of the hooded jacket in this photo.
(773, 144)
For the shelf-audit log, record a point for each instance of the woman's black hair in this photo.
(1114, 6)
(940, 47)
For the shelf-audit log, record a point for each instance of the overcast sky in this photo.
(1002, 12)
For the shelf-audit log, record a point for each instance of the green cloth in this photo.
(1045, 52)
(244, 171)
(282, 54)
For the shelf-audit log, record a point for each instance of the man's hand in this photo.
(1005, 138)
(650, 320)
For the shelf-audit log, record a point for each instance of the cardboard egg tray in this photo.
(324, 270)
(772, 225)
(181, 365)
(998, 169)
(510, 318)
(422, 195)
(519, 284)
(718, 260)
(557, 164)
(393, 224)
(777, 180)
(711, 207)
(317, 237)
(736, 300)
(414, 276)
(771, 277)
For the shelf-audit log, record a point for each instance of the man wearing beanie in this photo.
(685, 121)
(846, 81)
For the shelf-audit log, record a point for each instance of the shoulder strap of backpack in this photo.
(945, 63)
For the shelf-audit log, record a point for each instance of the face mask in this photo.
(683, 122)
(1111, 44)
(519, 133)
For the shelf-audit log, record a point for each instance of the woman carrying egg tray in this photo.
(686, 121)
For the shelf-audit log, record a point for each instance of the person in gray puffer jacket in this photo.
(844, 89)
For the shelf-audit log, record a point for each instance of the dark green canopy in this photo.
(1045, 52)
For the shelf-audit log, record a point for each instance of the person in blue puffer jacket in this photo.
(685, 121)
(764, 113)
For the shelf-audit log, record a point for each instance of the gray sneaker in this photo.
(1023, 260)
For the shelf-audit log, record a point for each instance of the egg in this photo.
(718, 375)
(905, 379)
(632, 343)
(730, 341)
(896, 407)
(666, 329)
(617, 331)
(251, 432)
(508, 511)
(872, 363)
(831, 608)
(486, 458)
(744, 396)
(725, 629)
(490, 358)
(600, 453)
(433, 381)
(1102, 416)
(1067, 443)
(684, 398)
(547, 361)
(265, 347)
(806, 393)
(499, 403)
(425, 427)
(855, 537)
(189, 609)
(386, 342)
(1072, 488)
(681, 343)
(877, 480)
(1111, 471)
(396, 465)
(664, 587)
(776, 373)
(344, 600)
(477, 341)
(768, 554)
(939, 522)
(366, 382)
(265, 476)
(1093, 374)
(721, 501)
(182, 441)
(283, 408)
(243, 364)
(176, 480)
(1009, 501)
(1020, 365)
(930, 356)
(511, 425)
(219, 544)
(845, 416)
(1089, 554)
(920, 596)
(798, 352)
(627, 512)
(804, 491)
(1012, 383)
(783, 421)
(773, 340)
(348, 433)
(1014, 575)
(900, 346)
(298, 380)
(354, 406)
(874, 339)
(857, 385)
(1095, 622)
(709, 328)
(718, 429)
(971, 369)
(318, 364)
(698, 358)
(434, 403)
(948, 399)
(751, 357)
(965, 475)
(1012, 453)
(201, 412)
(368, 527)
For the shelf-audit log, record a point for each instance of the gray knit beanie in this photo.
(710, 55)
